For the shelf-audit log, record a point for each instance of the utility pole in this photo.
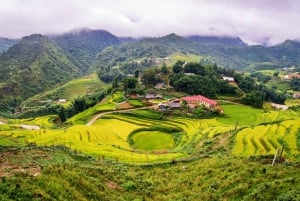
(273, 163)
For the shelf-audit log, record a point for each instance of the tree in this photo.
(129, 83)
(275, 74)
(115, 83)
(79, 104)
(164, 69)
(136, 73)
(177, 68)
(62, 114)
(295, 84)
(150, 77)
(254, 98)
(184, 84)
(196, 68)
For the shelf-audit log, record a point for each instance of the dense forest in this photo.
(31, 66)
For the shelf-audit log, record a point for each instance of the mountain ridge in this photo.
(230, 52)
(31, 66)
(82, 45)
(6, 43)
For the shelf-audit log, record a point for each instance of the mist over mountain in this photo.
(5, 43)
(84, 44)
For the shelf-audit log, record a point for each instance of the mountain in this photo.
(288, 52)
(144, 48)
(31, 66)
(5, 43)
(127, 39)
(84, 44)
(214, 40)
(225, 51)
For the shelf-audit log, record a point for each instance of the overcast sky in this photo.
(255, 21)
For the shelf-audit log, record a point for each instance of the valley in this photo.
(89, 116)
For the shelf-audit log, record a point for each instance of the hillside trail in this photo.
(97, 116)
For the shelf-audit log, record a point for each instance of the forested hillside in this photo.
(225, 51)
(84, 44)
(5, 43)
(31, 66)
(145, 48)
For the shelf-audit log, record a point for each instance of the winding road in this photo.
(97, 116)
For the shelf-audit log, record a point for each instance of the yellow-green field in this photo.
(266, 139)
(143, 136)
(69, 91)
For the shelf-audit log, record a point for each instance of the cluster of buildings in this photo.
(291, 76)
(191, 102)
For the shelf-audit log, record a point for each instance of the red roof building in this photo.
(291, 76)
(198, 100)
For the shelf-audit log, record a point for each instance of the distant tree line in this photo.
(257, 94)
(78, 105)
(108, 73)
(194, 78)
(295, 84)
(261, 77)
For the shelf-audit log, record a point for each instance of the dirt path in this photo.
(97, 116)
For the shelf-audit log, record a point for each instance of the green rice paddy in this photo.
(153, 141)
(145, 136)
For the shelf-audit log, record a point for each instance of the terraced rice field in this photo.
(143, 136)
(265, 139)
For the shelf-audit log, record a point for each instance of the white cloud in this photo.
(254, 21)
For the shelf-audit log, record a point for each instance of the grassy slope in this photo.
(68, 176)
(70, 90)
(109, 103)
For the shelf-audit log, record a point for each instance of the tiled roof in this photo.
(199, 98)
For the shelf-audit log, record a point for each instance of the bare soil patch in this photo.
(15, 162)
(124, 105)
(112, 185)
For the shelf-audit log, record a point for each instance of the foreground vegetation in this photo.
(82, 178)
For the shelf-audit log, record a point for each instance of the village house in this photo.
(153, 96)
(189, 74)
(162, 106)
(150, 96)
(230, 79)
(158, 96)
(291, 76)
(194, 101)
(296, 95)
(140, 96)
(279, 107)
(159, 85)
(174, 104)
(62, 100)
